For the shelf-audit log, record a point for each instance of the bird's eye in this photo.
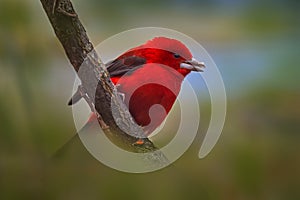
(176, 55)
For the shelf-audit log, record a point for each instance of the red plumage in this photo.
(152, 74)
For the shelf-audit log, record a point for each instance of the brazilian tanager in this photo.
(151, 74)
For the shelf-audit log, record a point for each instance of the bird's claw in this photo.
(140, 141)
(122, 95)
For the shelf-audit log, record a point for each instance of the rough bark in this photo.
(95, 79)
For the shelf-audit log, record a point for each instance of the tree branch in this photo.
(95, 79)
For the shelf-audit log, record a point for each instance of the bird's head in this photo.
(171, 53)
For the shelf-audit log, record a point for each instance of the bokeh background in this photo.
(256, 47)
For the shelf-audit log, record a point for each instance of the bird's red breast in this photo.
(150, 93)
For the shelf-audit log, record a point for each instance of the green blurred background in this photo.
(256, 47)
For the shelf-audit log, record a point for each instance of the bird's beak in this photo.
(193, 65)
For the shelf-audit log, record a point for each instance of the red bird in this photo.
(149, 75)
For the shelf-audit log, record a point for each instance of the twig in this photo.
(95, 79)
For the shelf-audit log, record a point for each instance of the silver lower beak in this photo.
(193, 65)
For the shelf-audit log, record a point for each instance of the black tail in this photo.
(75, 98)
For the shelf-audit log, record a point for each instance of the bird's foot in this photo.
(140, 141)
(122, 95)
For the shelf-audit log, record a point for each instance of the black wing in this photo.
(122, 66)
(116, 67)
